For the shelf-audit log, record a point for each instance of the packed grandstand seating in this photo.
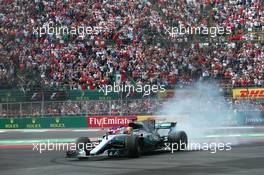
(132, 46)
(135, 47)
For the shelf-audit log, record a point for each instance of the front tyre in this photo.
(81, 143)
(133, 147)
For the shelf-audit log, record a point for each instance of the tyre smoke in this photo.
(199, 111)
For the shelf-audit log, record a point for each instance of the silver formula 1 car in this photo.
(131, 141)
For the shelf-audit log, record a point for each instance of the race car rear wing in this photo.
(165, 125)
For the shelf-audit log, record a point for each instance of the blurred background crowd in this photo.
(123, 107)
(135, 48)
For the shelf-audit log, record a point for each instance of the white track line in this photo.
(32, 130)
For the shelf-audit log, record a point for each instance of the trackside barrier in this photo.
(250, 118)
(44, 122)
(68, 122)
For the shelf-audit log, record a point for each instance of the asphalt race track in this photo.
(246, 158)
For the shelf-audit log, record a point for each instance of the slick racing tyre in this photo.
(82, 142)
(133, 147)
(179, 139)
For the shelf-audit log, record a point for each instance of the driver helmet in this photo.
(128, 130)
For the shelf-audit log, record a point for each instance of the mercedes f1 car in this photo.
(131, 141)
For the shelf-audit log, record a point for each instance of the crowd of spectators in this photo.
(92, 107)
(249, 105)
(134, 48)
(241, 15)
(125, 107)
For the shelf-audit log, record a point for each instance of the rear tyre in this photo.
(179, 139)
(133, 147)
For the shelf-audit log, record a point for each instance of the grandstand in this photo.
(40, 75)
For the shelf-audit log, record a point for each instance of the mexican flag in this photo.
(119, 77)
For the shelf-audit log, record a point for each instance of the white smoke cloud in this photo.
(198, 110)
